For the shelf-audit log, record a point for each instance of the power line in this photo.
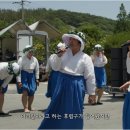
(22, 3)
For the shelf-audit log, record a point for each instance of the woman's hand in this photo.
(125, 86)
(19, 84)
(61, 52)
(37, 82)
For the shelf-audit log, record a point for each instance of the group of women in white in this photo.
(74, 73)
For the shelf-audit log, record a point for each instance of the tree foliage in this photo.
(122, 23)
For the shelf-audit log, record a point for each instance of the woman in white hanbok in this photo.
(29, 77)
(76, 71)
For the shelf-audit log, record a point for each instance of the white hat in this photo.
(79, 36)
(28, 48)
(61, 45)
(98, 47)
(13, 68)
(16, 68)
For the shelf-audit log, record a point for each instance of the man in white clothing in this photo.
(7, 71)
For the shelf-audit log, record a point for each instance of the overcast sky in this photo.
(105, 8)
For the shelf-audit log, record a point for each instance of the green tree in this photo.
(93, 33)
(122, 23)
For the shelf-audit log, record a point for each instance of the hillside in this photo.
(61, 19)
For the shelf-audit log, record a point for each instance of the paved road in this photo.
(106, 116)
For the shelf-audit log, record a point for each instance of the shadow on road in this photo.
(42, 110)
(5, 115)
(16, 111)
(110, 98)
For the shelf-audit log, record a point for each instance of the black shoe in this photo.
(4, 114)
(99, 103)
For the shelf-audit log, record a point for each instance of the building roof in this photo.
(44, 26)
(37, 26)
(13, 28)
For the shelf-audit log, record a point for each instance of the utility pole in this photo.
(22, 2)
